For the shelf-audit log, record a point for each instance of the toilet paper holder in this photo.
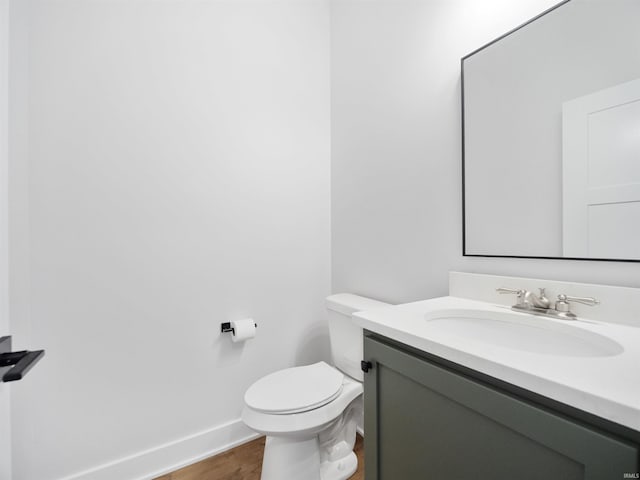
(226, 327)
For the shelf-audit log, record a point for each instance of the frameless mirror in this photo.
(551, 136)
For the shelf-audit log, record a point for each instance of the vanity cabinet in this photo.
(427, 419)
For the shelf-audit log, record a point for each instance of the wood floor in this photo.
(242, 463)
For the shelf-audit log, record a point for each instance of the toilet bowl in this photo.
(310, 414)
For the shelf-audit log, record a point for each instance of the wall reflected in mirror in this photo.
(551, 135)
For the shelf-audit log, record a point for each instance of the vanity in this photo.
(458, 388)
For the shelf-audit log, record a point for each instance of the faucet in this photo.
(540, 305)
(537, 301)
(527, 300)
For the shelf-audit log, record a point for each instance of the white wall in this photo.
(396, 166)
(176, 171)
(5, 422)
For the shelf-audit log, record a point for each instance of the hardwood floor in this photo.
(242, 463)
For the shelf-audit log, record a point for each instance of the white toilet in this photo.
(310, 414)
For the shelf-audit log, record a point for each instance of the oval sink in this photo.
(522, 332)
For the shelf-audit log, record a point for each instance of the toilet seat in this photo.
(295, 390)
(303, 423)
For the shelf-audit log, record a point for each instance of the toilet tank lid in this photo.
(348, 303)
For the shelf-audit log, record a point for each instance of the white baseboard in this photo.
(171, 456)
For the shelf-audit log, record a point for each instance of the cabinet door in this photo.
(423, 421)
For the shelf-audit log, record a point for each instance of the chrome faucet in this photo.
(537, 301)
(540, 305)
(527, 300)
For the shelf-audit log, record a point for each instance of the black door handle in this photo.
(20, 362)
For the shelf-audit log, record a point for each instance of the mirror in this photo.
(551, 136)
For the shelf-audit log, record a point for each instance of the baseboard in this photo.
(171, 456)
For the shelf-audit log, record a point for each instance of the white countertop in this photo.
(606, 386)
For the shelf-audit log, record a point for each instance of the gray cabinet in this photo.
(425, 420)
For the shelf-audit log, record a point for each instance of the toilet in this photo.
(310, 414)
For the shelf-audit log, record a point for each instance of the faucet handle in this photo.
(519, 292)
(592, 302)
(562, 305)
(514, 291)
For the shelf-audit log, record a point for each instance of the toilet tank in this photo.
(345, 336)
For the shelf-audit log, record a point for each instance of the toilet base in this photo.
(290, 459)
(294, 459)
(340, 469)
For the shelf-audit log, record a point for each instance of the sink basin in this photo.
(521, 332)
